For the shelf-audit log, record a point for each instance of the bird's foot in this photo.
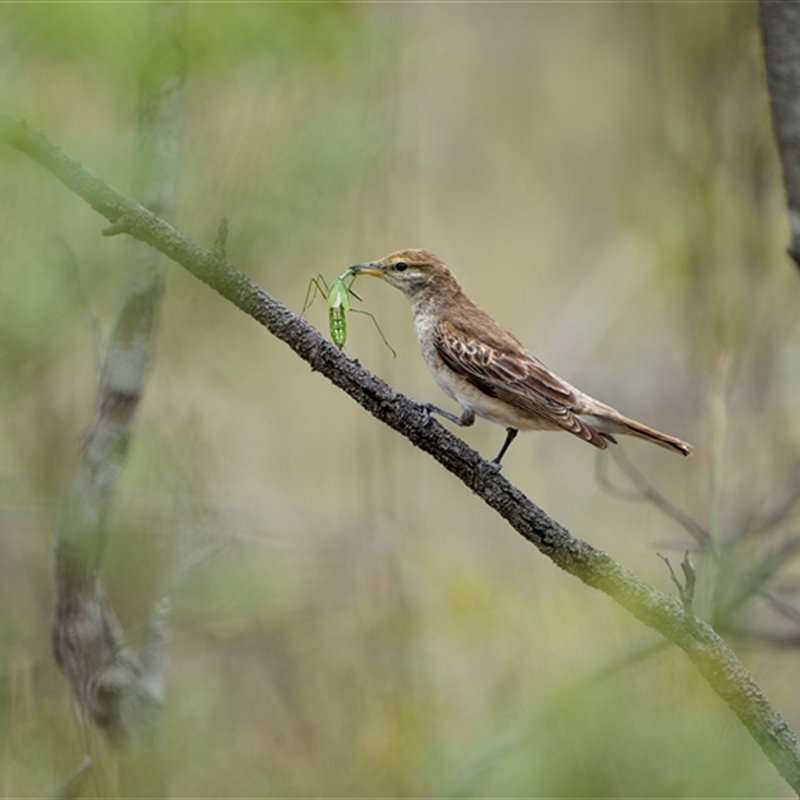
(431, 409)
(511, 434)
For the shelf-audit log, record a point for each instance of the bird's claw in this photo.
(432, 408)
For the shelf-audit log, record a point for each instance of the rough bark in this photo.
(718, 664)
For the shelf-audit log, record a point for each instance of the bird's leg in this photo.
(465, 420)
(510, 436)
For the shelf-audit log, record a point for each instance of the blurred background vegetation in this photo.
(602, 179)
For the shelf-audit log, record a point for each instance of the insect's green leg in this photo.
(375, 321)
(349, 286)
(317, 284)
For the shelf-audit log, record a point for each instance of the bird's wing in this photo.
(502, 368)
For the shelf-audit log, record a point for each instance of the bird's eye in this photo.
(401, 266)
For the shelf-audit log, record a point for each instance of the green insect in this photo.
(337, 298)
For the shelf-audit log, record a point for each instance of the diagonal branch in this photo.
(717, 663)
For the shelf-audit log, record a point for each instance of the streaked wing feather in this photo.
(517, 378)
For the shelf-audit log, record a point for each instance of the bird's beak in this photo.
(367, 269)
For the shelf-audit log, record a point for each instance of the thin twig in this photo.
(221, 242)
(685, 589)
(71, 788)
(645, 491)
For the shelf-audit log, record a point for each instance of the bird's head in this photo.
(416, 273)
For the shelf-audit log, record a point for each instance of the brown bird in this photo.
(487, 370)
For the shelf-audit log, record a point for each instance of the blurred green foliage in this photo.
(602, 179)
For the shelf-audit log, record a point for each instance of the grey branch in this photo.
(717, 663)
(116, 690)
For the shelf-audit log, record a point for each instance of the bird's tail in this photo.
(615, 423)
(662, 439)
